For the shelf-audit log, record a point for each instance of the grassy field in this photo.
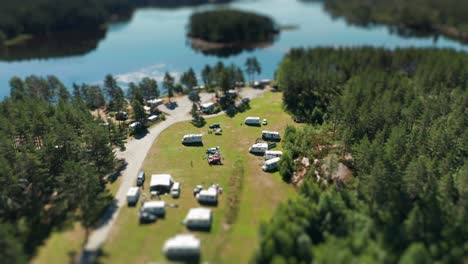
(130, 242)
(62, 246)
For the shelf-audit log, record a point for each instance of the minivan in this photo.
(175, 191)
(140, 178)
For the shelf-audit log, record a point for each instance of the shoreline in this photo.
(204, 45)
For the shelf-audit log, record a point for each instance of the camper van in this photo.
(271, 165)
(209, 196)
(271, 136)
(192, 139)
(133, 195)
(252, 121)
(182, 247)
(271, 154)
(198, 218)
(157, 208)
(175, 191)
(258, 148)
(140, 178)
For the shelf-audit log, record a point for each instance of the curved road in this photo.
(135, 154)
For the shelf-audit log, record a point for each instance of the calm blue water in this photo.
(154, 42)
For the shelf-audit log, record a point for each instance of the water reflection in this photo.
(53, 46)
(227, 50)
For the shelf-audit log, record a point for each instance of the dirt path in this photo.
(135, 154)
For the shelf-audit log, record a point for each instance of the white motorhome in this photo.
(155, 102)
(252, 121)
(198, 218)
(271, 154)
(271, 136)
(259, 148)
(135, 125)
(192, 139)
(161, 183)
(271, 165)
(133, 195)
(182, 247)
(209, 196)
(154, 207)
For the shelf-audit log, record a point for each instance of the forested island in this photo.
(408, 18)
(398, 120)
(43, 17)
(214, 31)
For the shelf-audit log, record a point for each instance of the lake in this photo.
(154, 42)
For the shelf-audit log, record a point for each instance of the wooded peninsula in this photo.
(411, 18)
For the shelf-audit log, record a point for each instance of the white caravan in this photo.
(133, 195)
(198, 218)
(192, 139)
(252, 121)
(209, 196)
(271, 154)
(154, 207)
(271, 136)
(259, 148)
(271, 165)
(182, 247)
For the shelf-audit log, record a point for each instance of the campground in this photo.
(259, 192)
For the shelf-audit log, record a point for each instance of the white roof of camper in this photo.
(133, 191)
(198, 214)
(206, 105)
(270, 132)
(153, 117)
(209, 192)
(147, 108)
(193, 135)
(186, 241)
(161, 179)
(260, 145)
(272, 161)
(273, 152)
(253, 118)
(154, 204)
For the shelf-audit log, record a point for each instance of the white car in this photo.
(265, 122)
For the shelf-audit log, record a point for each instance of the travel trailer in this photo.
(133, 195)
(157, 208)
(252, 121)
(271, 165)
(192, 139)
(271, 154)
(259, 148)
(182, 247)
(271, 136)
(198, 218)
(209, 196)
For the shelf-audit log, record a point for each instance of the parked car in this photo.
(265, 122)
(140, 179)
(175, 191)
(297, 120)
(215, 125)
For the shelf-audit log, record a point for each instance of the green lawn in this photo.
(61, 246)
(130, 242)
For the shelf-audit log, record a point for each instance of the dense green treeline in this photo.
(402, 116)
(414, 17)
(54, 156)
(42, 17)
(231, 26)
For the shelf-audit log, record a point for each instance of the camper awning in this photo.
(161, 180)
